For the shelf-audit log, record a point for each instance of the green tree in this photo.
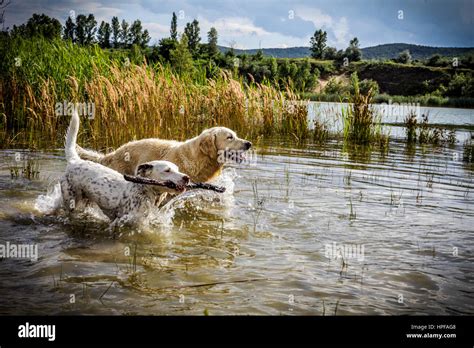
(145, 38)
(404, 57)
(212, 48)
(304, 80)
(284, 71)
(174, 28)
(153, 55)
(353, 52)
(461, 85)
(69, 29)
(293, 70)
(274, 68)
(91, 24)
(103, 35)
(135, 54)
(116, 32)
(81, 21)
(434, 60)
(39, 25)
(181, 58)
(165, 46)
(258, 56)
(467, 61)
(85, 29)
(318, 43)
(125, 34)
(330, 53)
(193, 37)
(136, 32)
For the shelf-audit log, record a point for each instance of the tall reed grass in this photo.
(131, 100)
(424, 133)
(468, 151)
(361, 124)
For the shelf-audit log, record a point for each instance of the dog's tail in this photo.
(89, 155)
(71, 137)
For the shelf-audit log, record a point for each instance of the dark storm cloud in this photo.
(283, 23)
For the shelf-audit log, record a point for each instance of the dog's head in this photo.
(163, 171)
(217, 141)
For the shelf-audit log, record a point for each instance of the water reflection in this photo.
(406, 210)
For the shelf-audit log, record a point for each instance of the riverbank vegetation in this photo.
(361, 124)
(131, 100)
(180, 86)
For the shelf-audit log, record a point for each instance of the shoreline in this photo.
(457, 103)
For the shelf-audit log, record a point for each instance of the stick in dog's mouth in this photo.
(172, 185)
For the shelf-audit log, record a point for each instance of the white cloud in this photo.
(232, 26)
(101, 12)
(157, 30)
(241, 32)
(341, 31)
(339, 28)
(314, 15)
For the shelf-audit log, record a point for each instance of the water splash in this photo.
(162, 219)
(51, 201)
(156, 220)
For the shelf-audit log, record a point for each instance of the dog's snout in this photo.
(248, 145)
(186, 179)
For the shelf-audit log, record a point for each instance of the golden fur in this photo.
(198, 157)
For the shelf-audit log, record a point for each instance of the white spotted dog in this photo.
(89, 182)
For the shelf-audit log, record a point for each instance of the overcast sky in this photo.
(280, 23)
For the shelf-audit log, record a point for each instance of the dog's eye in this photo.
(230, 137)
(168, 170)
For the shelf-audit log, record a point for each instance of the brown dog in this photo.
(201, 157)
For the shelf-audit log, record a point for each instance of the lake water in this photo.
(393, 116)
(315, 229)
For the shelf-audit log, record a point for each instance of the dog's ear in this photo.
(207, 145)
(144, 169)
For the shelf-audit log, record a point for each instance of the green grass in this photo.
(27, 168)
(135, 100)
(411, 124)
(132, 99)
(423, 133)
(361, 124)
(468, 151)
(320, 132)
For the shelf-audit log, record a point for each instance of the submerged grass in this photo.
(320, 132)
(423, 133)
(361, 125)
(24, 167)
(411, 124)
(468, 151)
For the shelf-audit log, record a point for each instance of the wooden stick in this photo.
(172, 185)
(148, 181)
(205, 186)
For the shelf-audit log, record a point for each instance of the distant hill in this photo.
(385, 51)
(290, 52)
(388, 51)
